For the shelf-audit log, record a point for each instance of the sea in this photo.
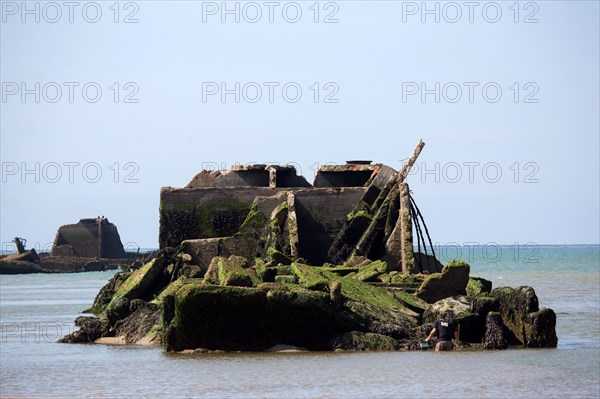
(38, 309)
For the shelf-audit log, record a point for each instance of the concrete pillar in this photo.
(406, 238)
(272, 177)
(292, 223)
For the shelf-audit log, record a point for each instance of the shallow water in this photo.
(35, 310)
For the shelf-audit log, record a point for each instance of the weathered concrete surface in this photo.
(530, 325)
(91, 238)
(451, 281)
(350, 175)
(250, 176)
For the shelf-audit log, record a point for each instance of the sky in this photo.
(103, 103)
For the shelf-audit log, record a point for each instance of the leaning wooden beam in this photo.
(382, 204)
(399, 245)
(356, 238)
(410, 162)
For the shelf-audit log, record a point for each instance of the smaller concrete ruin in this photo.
(89, 238)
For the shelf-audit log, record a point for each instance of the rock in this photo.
(90, 329)
(230, 271)
(357, 261)
(427, 263)
(521, 315)
(94, 266)
(541, 329)
(377, 310)
(142, 325)
(278, 258)
(117, 310)
(310, 277)
(237, 318)
(191, 271)
(472, 325)
(494, 332)
(372, 271)
(359, 341)
(243, 318)
(106, 293)
(478, 286)
(27, 256)
(19, 267)
(335, 293)
(482, 305)
(139, 284)
(286, 279)
(451, 281)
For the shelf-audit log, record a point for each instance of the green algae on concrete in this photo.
(137, 285)
(372, 271)
(232, 271)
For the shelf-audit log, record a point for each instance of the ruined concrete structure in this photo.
(89, 238)
(253, 211)
(256, 257)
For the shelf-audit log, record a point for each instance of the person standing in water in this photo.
(444, 329)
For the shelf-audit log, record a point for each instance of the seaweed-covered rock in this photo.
(310, 277)
(106, 293)
(472, 325)
(451, 281)
(478, 286)
(90, 329)
(237, 318)
(495, 332)
(372, 271)
(521, 315)
(359, 341)
(245, 318)
(232, 271)
(139, 283)
(191, 271)
(142, 325)
(277, 257)
(541, 329)
(376, 310)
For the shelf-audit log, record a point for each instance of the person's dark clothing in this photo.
(445, 329)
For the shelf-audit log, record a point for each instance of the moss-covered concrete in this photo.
(232, 271)
(372, 271)
(184, 221)
(236, 318)
(310, 277)
(478, 286)
(139, 283)
(451, 281)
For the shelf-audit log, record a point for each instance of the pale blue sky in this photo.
(170, 132)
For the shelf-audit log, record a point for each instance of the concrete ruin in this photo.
(89, 238)
(350, 210)
(256, 257)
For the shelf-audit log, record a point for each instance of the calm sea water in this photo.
(36, 310)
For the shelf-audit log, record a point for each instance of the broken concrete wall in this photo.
(188, 214)
(192, 213)
(350, 175)
(321, 215)
(250, 176)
